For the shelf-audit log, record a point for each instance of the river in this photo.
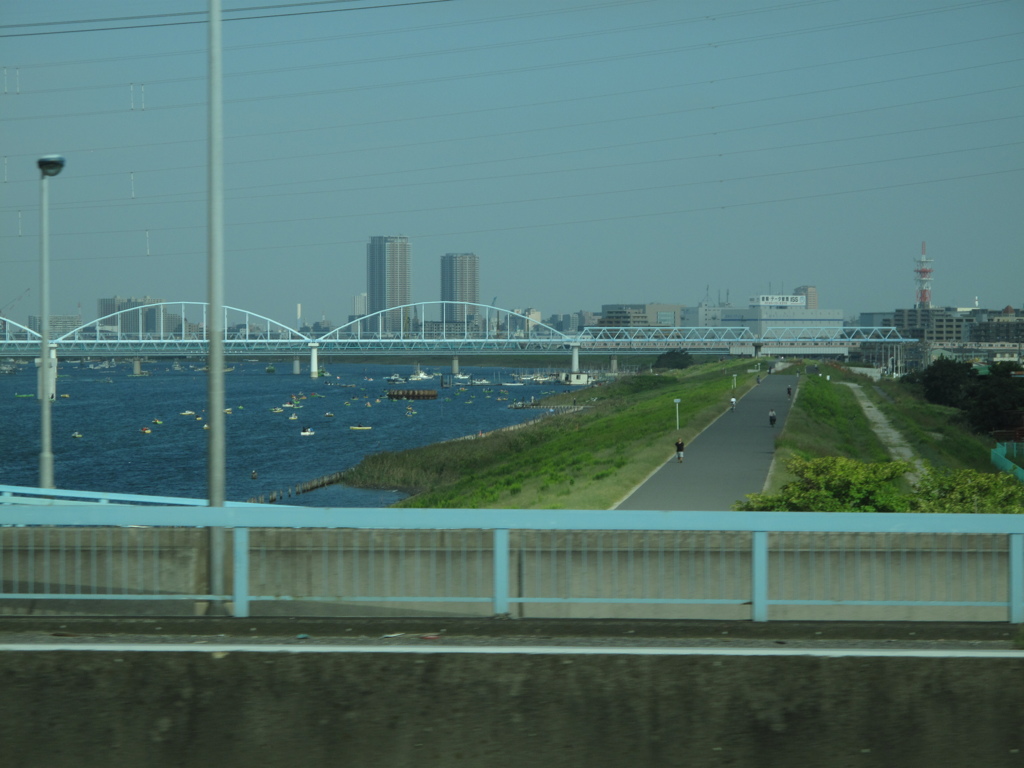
(109, 408)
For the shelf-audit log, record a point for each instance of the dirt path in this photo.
(894, 442)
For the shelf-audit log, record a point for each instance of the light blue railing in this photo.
(1008, 457)
(577, 563)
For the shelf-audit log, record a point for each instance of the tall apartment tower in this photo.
(387, 279)
(460, 281)
(811, 293)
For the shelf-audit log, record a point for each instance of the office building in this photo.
(153, 320)
(810, 293)
(460, 282)
(640, 315)
(388, 281)
(764, 311)
(59, 324)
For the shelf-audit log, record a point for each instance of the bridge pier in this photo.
(296, 366)
(455, 365)
(613, 364)
(575, 368)
(137, 366)
(314, 363)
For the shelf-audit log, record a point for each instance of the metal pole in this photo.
(676, 401)
(215, 276)
(45, 440)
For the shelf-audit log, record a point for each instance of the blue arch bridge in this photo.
(179, 329)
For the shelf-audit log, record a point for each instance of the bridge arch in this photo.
(436, 320)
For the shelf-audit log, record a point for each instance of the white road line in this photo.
(509, 650)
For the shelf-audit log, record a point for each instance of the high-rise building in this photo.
(387, 279)
(460, 281)
(810, 292)
(153, 320)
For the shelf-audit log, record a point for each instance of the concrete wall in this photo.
(324, 570)
(123, 709)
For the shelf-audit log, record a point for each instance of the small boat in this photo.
(307, 431)
(329, 415)
(227, 410)
(157, 421)
(271, 368)
(65, 395)
(188, 413)
(76, 434)
(277, 410)
(145, 430)
(359, 426)
(293, 417)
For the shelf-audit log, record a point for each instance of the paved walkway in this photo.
(725, 462)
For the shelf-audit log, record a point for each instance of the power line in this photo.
(291, 247)
(204, 21)
(560, 101)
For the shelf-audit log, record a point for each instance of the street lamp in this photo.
(49, 165)
(676, 401)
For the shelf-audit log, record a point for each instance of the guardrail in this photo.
(1008, 457)
(538, 563)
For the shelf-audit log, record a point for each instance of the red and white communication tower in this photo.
(924, 270)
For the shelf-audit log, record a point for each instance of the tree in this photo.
(676, 358)
(836, 484)
(969, 491)
(947, 382)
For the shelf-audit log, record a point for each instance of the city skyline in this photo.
(624, 151)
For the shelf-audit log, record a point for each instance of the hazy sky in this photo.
(589, 151)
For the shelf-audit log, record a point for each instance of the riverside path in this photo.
(725, 462)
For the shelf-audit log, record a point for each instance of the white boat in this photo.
(306, 432)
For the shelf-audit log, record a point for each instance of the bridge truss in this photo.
(437, 327)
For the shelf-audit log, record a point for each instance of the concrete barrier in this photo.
(267, 707)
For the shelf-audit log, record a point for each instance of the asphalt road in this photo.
(725, 462)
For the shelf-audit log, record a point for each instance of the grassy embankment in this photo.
(591, 459)
(827, 420)
(584, 460)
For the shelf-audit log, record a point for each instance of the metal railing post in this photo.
(1016, 575)
(241, 572)
(759, 576)
(501, 571)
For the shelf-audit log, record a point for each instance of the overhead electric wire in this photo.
(520, 158)
(559, 102)
(240, 18)
(575, 222)
(564, 196)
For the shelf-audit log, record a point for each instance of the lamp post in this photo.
(49, 165)
(676, 401)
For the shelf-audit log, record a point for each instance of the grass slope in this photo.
(583, 460)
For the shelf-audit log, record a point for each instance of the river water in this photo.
(109, 408)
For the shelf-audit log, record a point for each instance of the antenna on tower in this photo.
(923, 270)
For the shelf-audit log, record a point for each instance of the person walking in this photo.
(789, 392)
(732, 403)
(771, 416)
(679, 450)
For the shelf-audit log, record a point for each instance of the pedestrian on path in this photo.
(732, 403)
(771, 416)
(789, 391)
(679, 450)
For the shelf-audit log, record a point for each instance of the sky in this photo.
(588, 151)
